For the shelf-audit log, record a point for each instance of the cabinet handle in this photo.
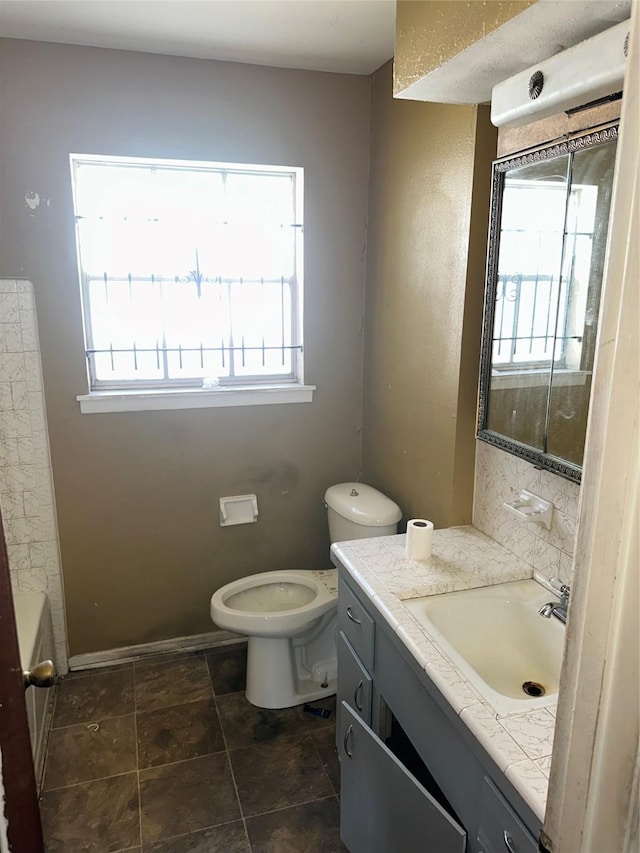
(352, 617)
(508, 842)
(347, 735)
(358, 692)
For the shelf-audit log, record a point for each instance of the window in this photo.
(190, 273)
(540, 312)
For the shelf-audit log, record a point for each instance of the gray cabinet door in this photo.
(354, 682)
(383, 808)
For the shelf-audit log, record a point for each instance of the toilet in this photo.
(290, 616)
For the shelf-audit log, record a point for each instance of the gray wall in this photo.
(137, 492)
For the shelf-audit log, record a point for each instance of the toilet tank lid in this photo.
(362, 504)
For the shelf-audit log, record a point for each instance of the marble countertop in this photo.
(462, 558)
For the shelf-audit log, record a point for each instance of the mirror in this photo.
(547, 243)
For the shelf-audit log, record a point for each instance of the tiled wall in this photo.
(26, 483)
(499, 478)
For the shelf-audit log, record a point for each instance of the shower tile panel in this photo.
(26, 483)
(325, 741)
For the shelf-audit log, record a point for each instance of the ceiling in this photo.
(350, 36)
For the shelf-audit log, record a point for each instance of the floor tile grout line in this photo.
(324, 766)
(213, 690)
(181, 761)
(292, 806)
(226, 746)
(135, 724)
(89, 781)
(194, 831)
(92, 721)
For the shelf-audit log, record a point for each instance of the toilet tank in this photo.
(358, 511)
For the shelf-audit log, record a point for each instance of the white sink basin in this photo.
(496, 636)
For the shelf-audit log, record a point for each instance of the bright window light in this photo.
(190, 272)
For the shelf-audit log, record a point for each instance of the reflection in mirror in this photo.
(549, 221)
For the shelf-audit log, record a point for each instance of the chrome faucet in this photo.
(557, 608)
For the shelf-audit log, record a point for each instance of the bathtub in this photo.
(35, 639)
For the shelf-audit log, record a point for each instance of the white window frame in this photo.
(153, 395)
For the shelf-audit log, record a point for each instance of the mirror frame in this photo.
(539, 458)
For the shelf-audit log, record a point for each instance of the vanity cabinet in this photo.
(413, 777)
(383, 807)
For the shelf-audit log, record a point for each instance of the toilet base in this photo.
(282, 672)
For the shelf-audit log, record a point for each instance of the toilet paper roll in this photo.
(419, 536)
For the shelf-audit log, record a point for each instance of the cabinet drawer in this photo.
(383, 808)
(354, 682)
(357, 625)
(501, 830)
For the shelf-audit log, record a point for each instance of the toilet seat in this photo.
(275, 604)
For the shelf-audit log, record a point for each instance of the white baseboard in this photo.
(126, 654)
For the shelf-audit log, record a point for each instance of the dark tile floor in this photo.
(167, 756)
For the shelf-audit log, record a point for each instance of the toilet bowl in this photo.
(274, 604)
(290, 616)
(290, 619)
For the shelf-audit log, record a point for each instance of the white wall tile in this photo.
(37, 411)
(44, 554)
(23, 478)
(34, 449)
(499, 477)
(6, 397)
(14, 423)
(33, 580)
(12, 504)
(19, 556)
(32, 371)
(10, 337)
(26, 483)
(12, 367)
(19, 396)
(37, 502)
(9, 311)
(26, 300)
(8, 453)
(29, 331)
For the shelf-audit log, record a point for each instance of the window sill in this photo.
(504, 379)
(192, 398)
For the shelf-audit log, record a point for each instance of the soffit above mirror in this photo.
(445, 55)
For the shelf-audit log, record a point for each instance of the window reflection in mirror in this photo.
(550, 214)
